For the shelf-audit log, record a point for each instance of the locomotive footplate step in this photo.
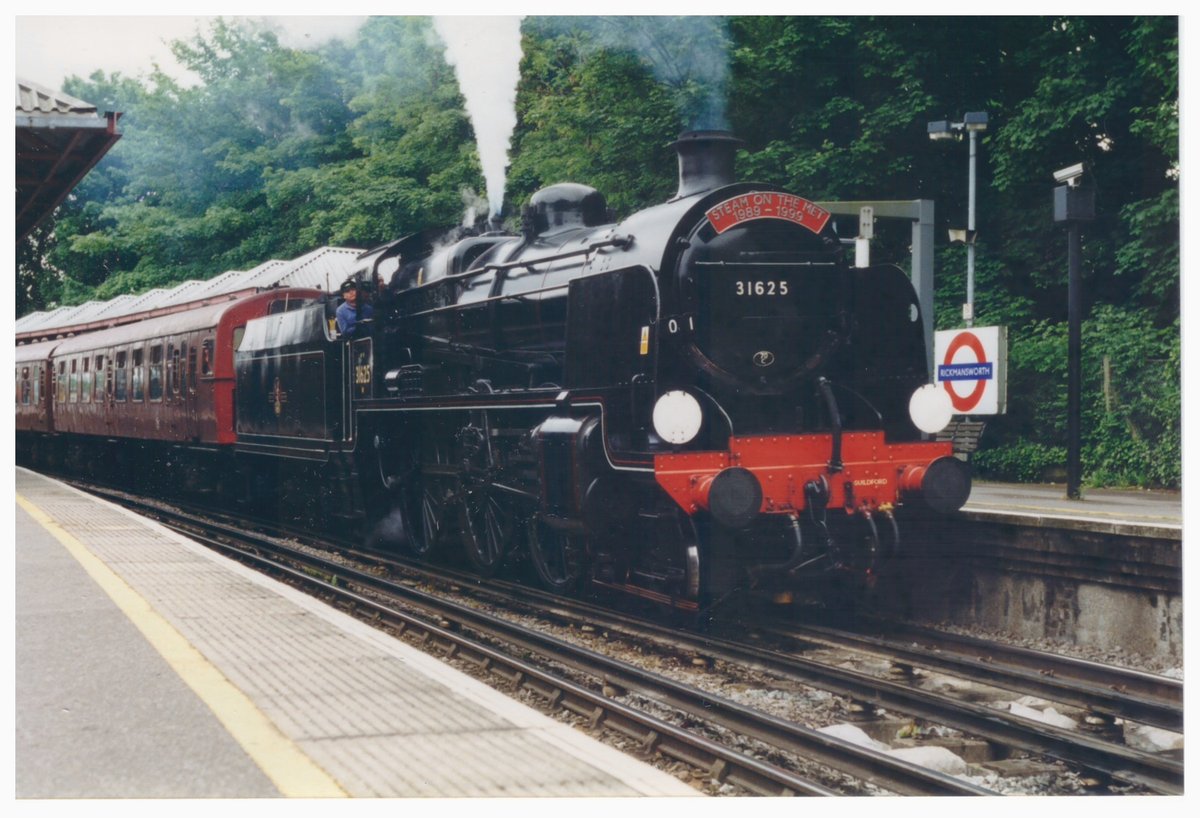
(148, 666)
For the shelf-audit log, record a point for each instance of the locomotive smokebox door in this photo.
(362, 377)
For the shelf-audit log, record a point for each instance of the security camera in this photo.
(1070, 176)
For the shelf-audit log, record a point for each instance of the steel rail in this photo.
(1158, 773)
(1128, 694)
(878, 768)
(1145, 698)
(1120, 763)
(653, 734)
(1137, 682)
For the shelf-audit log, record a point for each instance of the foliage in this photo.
(275, 152)
(38, 284)
(279, 150)
(1023, 462)
(1132, 401)
(592, 115)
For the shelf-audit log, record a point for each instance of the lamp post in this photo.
(1074, 204)
(973, 123)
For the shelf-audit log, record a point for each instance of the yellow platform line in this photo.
(286, 765)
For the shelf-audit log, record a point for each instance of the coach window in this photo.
(206, 357)
(121, 377)
(172, 371)
(37, 385)
(98, 378)
(139, 374)
(60, 383)
(190, 378)
(85, 381)
(156, 372)
(73, 396)
(25, 385)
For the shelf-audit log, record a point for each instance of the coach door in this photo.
(187, 386)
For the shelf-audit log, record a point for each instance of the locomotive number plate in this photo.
(763, 288)
(767, 205)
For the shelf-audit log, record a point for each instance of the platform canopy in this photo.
(59, 139)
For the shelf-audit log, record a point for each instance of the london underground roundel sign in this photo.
(970, 366)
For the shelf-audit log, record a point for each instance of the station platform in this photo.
(150, 667)
(1115, 511)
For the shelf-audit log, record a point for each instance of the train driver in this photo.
(352, 309)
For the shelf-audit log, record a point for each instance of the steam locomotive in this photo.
(698, 399)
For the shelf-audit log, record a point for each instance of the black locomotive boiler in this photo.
(699, 398)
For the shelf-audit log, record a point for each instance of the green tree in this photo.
(413, 148)
(277, 151)
(1102, 90)
(594, 114)
(39, 285)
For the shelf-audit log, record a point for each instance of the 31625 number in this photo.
(765, 288)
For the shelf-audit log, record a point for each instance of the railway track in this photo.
(1124, 693)
(445, 624)
(502, 649)
(1098, 688)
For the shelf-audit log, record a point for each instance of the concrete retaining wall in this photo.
(1103, 590)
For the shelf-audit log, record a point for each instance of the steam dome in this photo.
(567, 205)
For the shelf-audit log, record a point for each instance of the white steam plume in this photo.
(473, 205)
(486, 55)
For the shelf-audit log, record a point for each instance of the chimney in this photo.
(705, 160)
